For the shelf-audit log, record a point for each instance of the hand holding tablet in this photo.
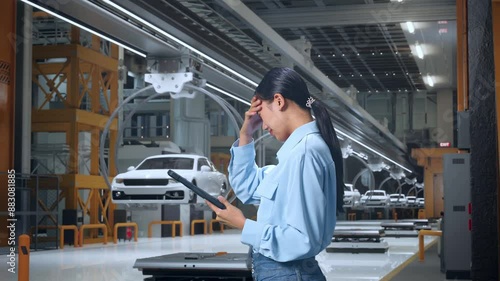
(200, 192)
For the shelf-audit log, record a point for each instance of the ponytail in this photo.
(329, 135)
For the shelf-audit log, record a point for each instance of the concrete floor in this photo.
(115, 261)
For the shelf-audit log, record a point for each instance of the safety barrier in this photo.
(395, 215)
(96, 225)
(172, 223)
(24, 258)
(124, 224)
(211, 226)
(62, 228)
(351, 216)
(194, 222)
(421, 214)
(421, 234)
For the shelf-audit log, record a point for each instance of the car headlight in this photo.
(118, 180)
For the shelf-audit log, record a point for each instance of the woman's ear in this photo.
(280, 101)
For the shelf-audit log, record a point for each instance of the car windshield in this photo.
(176, 163)
(397, 196)
(347, 188)
(375, 193)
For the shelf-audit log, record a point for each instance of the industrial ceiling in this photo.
(341, 47)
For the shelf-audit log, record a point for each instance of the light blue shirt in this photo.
(297, 212)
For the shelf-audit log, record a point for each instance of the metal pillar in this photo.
(7, 67)
(22, 131)
(496, 39)
(462, 57)
(483, 109)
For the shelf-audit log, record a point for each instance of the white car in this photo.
(420, 202)
(412, 201)
(351, 196)
(375, 198)
(397, 200)
(150, 183)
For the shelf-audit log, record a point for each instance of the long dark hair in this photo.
(291, 86)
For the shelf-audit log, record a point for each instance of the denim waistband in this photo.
(264, 268)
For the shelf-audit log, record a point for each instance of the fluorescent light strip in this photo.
(420, 51)
(227, 94)
(410, 26)
(180, 42)
(373, 150)
(430, 80)
(83, 27)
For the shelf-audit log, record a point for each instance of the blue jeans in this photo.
(264, 268)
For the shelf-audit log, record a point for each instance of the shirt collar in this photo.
(295, 138)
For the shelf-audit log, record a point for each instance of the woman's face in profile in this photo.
(270, 122)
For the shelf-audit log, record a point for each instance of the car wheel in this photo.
(223, 189)
(192, 196)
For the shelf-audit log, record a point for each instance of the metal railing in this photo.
(34, 209)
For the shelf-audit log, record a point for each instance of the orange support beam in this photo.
(91, 79)
(7, 67)
(81, 117)
(462, 57)
(432, 161)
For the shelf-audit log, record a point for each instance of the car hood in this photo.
(351, 193)
(153, 174)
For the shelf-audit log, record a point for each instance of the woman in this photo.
(298, 197)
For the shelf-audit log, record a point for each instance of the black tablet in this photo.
(196, 189)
